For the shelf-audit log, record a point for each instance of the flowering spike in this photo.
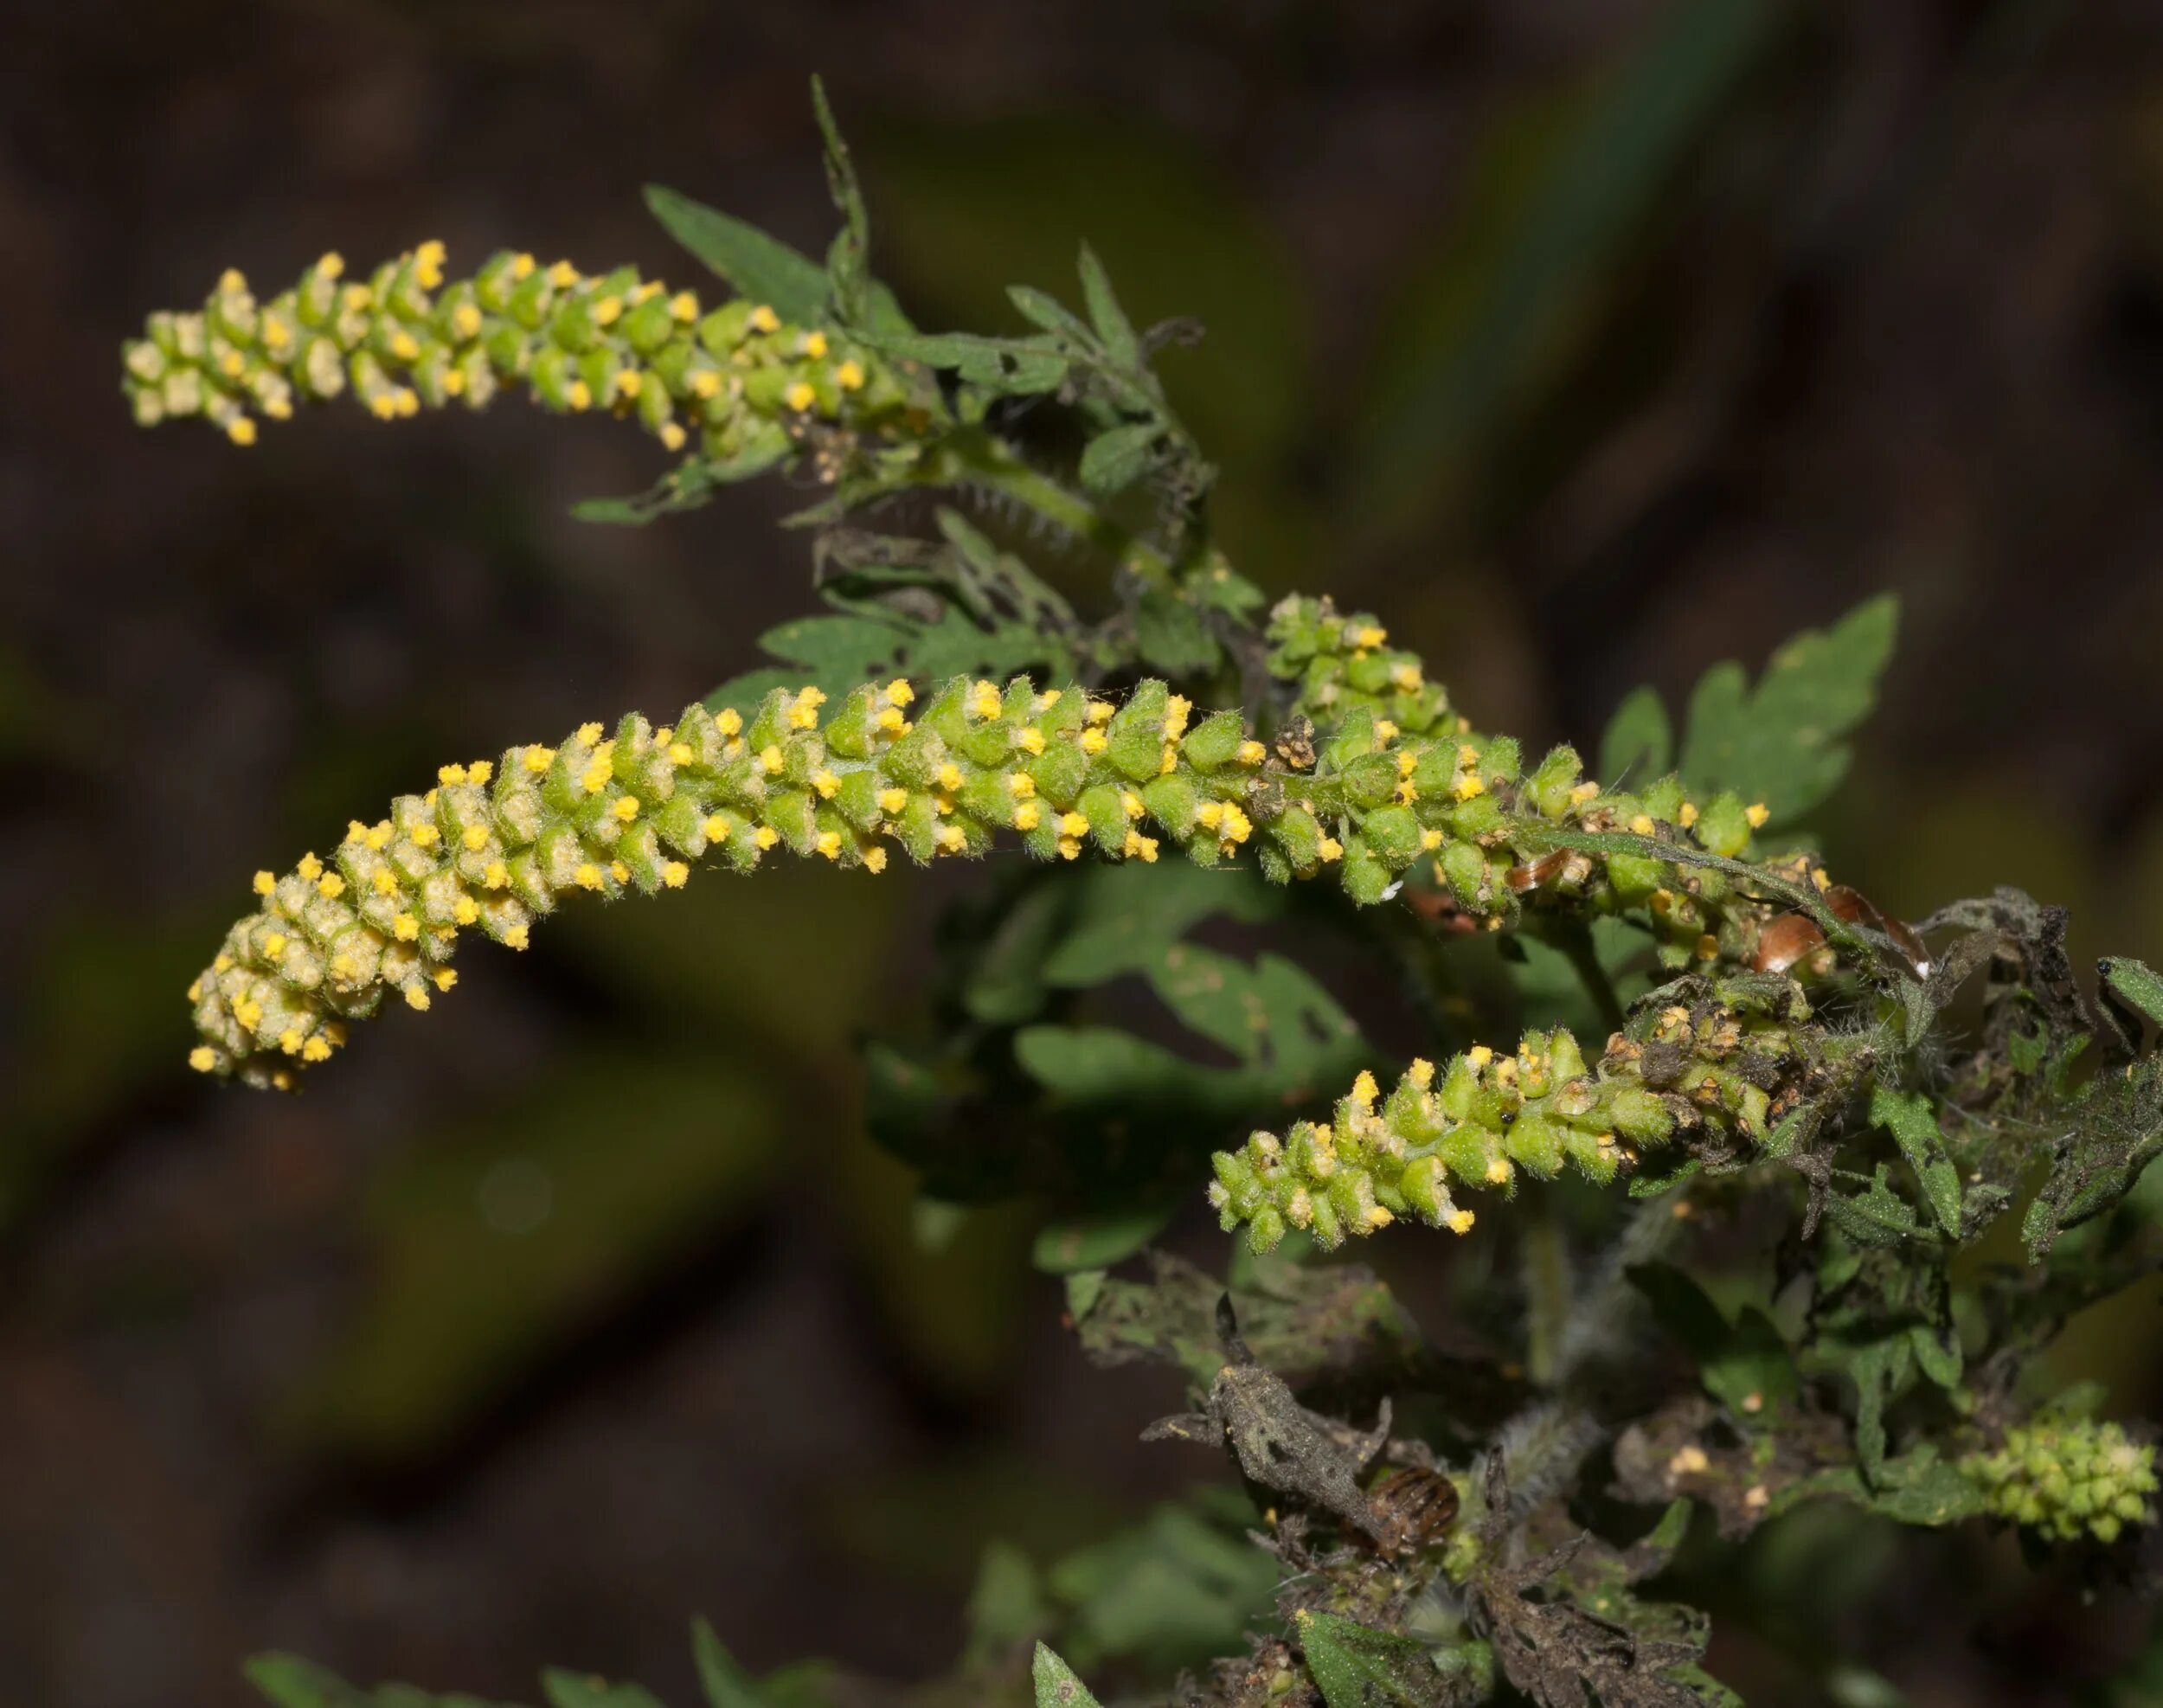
(496, 844)
(748, 385)
(1478, 1119)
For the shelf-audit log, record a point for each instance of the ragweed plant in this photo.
(1638, 973)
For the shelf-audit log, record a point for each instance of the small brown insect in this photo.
(1413, 1509)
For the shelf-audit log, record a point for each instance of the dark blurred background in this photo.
(1589, 341)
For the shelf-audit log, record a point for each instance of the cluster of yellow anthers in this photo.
(1488, 1117)
(1343, 662)
(496, 844)
(736, 374)
(1349, 677)
(1720, 1068)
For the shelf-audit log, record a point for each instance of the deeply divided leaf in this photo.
(1783, 742)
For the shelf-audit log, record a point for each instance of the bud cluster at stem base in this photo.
(2068, 1478)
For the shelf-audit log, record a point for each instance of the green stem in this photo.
(1545, 1255)
(978, 459)
(1574, 938)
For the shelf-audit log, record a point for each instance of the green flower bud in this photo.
(1344, 664)
(1725, 824)
(2068, 1478)
(1214, 742)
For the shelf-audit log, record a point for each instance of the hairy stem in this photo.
(1545, 1257)
(984, 461)
(1574, 938)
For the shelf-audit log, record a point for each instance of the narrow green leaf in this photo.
(1650, 1182)
(1667, 1535)
(1056, 1685)
(848, 260)
(1880, 1371)
(1044, 310)
(725, 1684)
(618, 512)
(1029, 372)
(1638, 745)
(1112, 324)
(762, 268)
(1912, 1119)
(2135, 983)
(1113, 461)
(1084, 1288)
(934, 350)
(1939, 1359)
